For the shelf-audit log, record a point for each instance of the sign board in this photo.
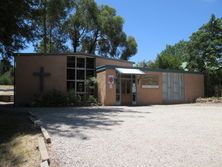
(150, 81)
(110, 81)
(150, 86)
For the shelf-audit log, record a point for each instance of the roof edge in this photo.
(66, 54)
(104, 67)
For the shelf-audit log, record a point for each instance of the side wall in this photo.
(110, 90)
(103, 61)
(194, 86)
(146, 96)
(106, 92)
(26, 85)
(101, 80)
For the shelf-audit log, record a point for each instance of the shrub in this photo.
(56, 98)
(72, 99)
(6, 78)
(51, 98)
(91, 100)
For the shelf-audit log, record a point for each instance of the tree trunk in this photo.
(91, 50)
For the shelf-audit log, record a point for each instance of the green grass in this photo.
(18, 140)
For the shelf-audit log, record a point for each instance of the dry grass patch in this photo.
(18, 140)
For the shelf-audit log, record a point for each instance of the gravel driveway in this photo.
(185, 135)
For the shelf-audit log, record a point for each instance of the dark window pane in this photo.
(117, 86)
(70, 85)
(81, 96)
(90, 63)
(80, 87)
(71, 61)
(123, 87)
(80, 74)
(117, 97)
(134, 97)
(128, 87)
(70, 74)
(80, 62)
(90, 73)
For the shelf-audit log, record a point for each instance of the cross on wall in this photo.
(41, 74)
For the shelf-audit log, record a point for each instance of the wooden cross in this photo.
(41, 74)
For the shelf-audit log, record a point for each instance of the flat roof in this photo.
(104, 67)
(72, 54)
(129, 71)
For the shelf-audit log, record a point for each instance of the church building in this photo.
(118, 81)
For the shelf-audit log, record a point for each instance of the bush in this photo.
(72, 99)
(6, 78)
(91, 100)
(51, 98)
(56, 98)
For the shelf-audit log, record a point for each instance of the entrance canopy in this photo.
(129, 71)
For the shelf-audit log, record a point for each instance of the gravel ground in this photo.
(188, 135)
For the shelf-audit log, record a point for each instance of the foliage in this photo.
(205, 54)
(91, 100)
(7, 78)
(97, 29)
(166, 61)
(16, 25)
(51, 98)
(5, 65)
(72, 99)
(52, 15)
(205, 47)
(55, 98)
(147, 64)
(172, 57)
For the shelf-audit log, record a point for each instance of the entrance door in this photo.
(126, 92)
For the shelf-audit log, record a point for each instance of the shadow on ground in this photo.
(13, 125)
(74, 122)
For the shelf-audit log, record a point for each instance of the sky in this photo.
(156, 23)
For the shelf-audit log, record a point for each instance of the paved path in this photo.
(187, 135)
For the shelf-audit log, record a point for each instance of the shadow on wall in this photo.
(75, 122)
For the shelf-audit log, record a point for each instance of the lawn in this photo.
(18, 140)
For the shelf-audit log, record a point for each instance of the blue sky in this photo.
(155, 23)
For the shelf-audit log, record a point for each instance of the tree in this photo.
(16, 25)
(205, 47)
(97, 29)
(51, 18)
(172, 57)
(147, 64)
(205, 54)
(166, 61)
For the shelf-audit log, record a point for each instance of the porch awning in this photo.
(129, 71)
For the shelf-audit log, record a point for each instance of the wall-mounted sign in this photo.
(110, 81)
(150, 81)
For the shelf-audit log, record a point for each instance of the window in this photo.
(70, 85)
(128, 87)
(80, 62)
(80, 87)
(71, 61)
(90, 74)
(81, 96)
(90, 63)
(80, 68)
(70, 74)
(117, 97)
(80, 74)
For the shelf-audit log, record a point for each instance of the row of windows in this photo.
(78, 62)
(73, 74)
